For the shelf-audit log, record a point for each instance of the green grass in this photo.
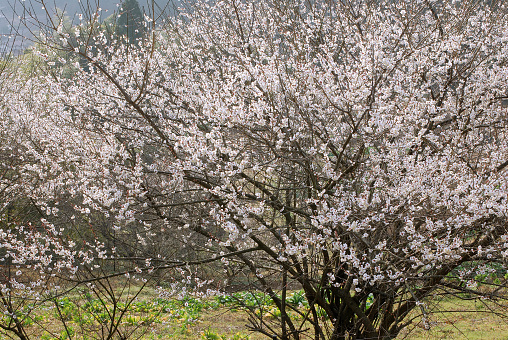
(222, 318)
(455, 318)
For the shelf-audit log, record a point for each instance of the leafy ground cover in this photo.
(224, 318)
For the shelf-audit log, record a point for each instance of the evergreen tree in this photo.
(130, 22)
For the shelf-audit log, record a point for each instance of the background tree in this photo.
(130, 23)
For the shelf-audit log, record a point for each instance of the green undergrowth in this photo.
(80, 316)
(224, 317)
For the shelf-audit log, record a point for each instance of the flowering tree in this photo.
(356, 149)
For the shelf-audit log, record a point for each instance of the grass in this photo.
(455, 318)
(147, 317)
(220, 318)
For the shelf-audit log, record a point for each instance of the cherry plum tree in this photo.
(356, 149)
